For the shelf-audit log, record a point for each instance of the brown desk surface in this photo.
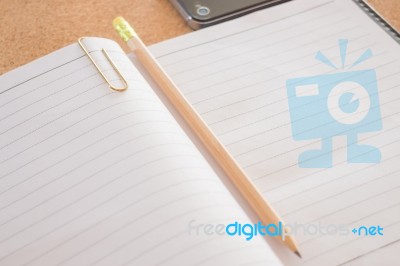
(33, 28)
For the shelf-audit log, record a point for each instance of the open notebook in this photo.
(236, 76)
(95, 177)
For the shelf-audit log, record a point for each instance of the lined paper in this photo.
(95, 177)
(235, 76)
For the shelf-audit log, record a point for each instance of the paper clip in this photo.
(101, 72)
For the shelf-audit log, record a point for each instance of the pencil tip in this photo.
(297, 253)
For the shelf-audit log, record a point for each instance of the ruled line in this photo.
(311, 188)
(21, 197)
(84, 163)
(249, 41)
(370, 252)
(321, 170)
(344, 244)
(294, 121)
(85, 118)
(69, 204)
(141, 235)
(77, 137)
(107, 217)
(247, 52)
(56, 67)
(261, 25)
(322, 199)
(225, 80)
(360, 218)
(284, 99)
(254, 163)
(292, 165)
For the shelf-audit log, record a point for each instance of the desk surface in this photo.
(31, 29)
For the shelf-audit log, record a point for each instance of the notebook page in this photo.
(94, 177)
(235, 75)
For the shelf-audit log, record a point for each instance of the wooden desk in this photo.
(33, 28)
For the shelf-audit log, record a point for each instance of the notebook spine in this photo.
(374, 15)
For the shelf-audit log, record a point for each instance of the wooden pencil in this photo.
(242, 182)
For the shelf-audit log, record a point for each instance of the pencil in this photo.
(238, 177)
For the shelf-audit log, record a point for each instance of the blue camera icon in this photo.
(325, 106)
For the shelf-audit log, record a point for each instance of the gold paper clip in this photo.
(101, 72)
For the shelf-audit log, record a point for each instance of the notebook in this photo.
(90, 176)
(237, 74)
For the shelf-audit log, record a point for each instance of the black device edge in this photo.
(196, 24)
